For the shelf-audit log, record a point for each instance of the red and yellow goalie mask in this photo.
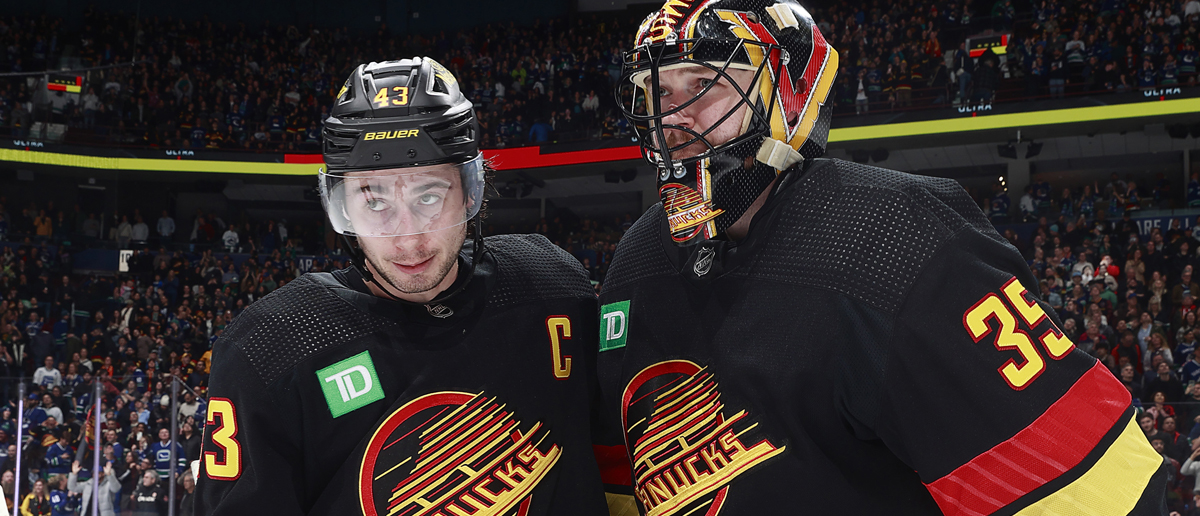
(725, 95)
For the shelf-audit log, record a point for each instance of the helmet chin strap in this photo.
(359, 259)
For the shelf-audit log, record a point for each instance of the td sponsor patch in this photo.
(614, 325)
(350, 384)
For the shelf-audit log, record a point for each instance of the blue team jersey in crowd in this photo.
(161, 455)
(55, 463)
(1193, 193)
(1189, 373)
(61, 504)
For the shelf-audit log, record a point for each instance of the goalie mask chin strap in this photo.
(359, 260)
(777, 154)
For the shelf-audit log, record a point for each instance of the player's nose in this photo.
(679, 117)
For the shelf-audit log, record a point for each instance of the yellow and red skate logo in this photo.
(687, 210)
(664, 24)
(454, 454)
(687, 451)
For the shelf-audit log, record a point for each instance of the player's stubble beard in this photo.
(444, 260)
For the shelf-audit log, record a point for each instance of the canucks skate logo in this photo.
(664, 24)
(454, 454)
(686, 452)
(690, 212)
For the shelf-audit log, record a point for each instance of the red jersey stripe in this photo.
(1053, 444)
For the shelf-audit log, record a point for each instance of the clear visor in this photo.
(403, 201)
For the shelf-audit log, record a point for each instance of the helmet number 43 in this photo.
(382, 99)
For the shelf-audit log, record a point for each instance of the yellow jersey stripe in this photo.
(1112, 486)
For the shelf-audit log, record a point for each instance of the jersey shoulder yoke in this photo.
(865, 231)
(296, 321)
(530, 267)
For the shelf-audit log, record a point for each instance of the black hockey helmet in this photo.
(416, 104)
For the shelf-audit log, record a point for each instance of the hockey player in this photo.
(786, 334)
(432, 377)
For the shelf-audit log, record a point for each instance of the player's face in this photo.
(416, 267)
(679, 85)
(426, 206)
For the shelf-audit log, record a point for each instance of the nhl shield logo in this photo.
(704, 261)
(686, 448)
(439, 311)
(454, 453)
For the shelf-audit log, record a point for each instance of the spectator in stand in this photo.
(58, 458)
(1176, 443)
(50, 408)
(230, 239)
(48, 375)
(140, 232)
(161, 451)
(1146, 422)
(149, 498)
(109, 487)
(1127, 352)
(1164, 382)
(186, 494)
(37, 502)
(1159, 442)
(1191, 467)
(62, 503)
(1159, 408)
(1157, 348)
(1187, 344)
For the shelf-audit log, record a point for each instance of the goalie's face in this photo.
(679, 85)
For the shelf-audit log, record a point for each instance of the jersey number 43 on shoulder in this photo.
(1010, 336)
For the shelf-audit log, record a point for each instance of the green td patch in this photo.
(614, 325)
(350, 384)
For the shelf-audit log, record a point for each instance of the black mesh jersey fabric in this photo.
(640, 252)
(530, 267)
(863, 231)
(858, 230)
(297, 320)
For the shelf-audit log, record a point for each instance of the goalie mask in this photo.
(739, 95)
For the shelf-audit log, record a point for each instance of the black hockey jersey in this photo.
(326, 399)
(869, 348)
